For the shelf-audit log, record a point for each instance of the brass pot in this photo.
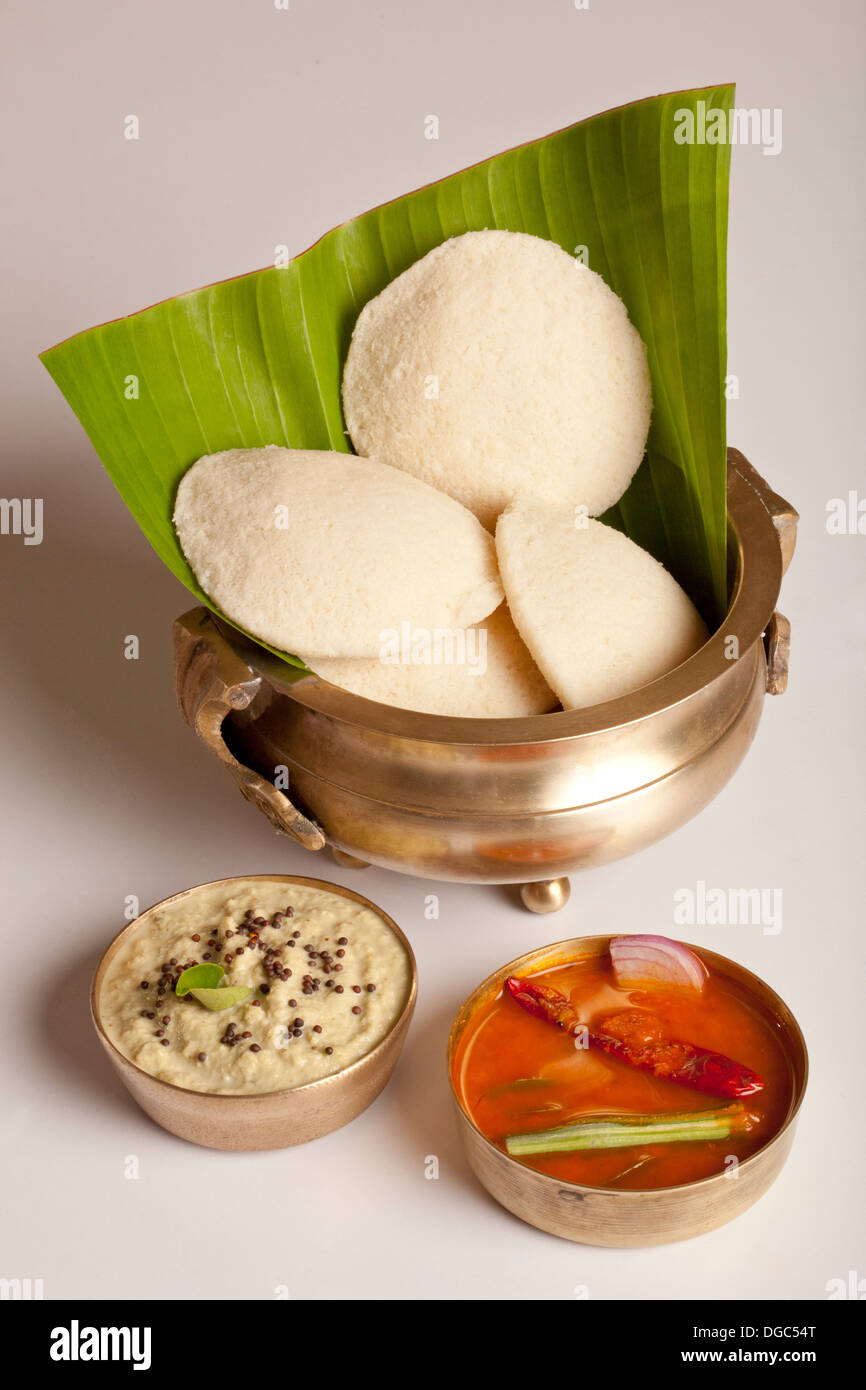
(274, 1119)
(629, 1218)
(500, 800)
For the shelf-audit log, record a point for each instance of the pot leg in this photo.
(549, 895)
(348, 861)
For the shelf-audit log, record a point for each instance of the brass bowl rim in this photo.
(256, 1097)
(712, 958)
(755, 590)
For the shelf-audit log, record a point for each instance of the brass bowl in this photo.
(500, 800)
(275, 1119)
(619, 1217)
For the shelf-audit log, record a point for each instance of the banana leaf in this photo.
(258, 359)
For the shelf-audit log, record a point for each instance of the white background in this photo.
(261, 127)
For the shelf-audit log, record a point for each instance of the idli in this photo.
(600, 615)
(496, 367)
(318, 552)
(484, 672)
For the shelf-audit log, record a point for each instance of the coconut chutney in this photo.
(329, 978)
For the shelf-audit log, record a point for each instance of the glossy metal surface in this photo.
(606, 1216)
(276, 1119)
(546, 895)
(498, 800)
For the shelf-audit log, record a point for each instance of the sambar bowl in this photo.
(628, 1217)
(272, 1119)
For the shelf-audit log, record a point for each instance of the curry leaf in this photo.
(226, 998)
(205, 976)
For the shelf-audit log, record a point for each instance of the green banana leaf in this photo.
(258, 359)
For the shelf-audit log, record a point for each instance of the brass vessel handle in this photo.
(777, 644)
(211, 681)
(777, 637)
(785, 517)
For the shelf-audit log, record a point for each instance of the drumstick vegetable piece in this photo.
(618, 1132)
(634, 1036)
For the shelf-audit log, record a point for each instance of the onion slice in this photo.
(656, 960)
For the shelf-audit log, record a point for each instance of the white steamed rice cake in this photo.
(496, 679)
(600, 615)
(499, 366)
(317, 552)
